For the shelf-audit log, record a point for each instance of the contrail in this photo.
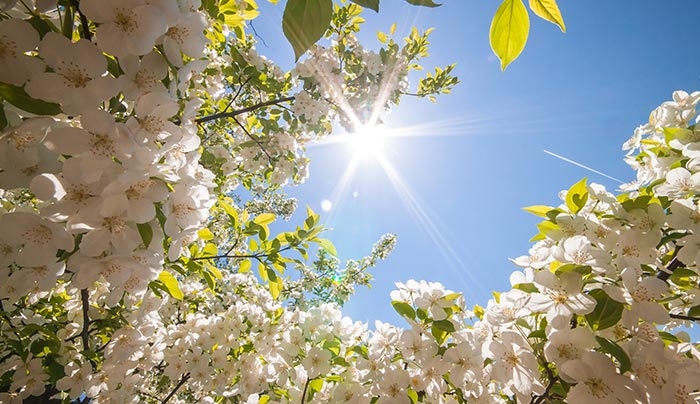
(582, 166)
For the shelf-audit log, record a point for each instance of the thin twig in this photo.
(675, 263)
(306, 386)
(83, 21)
(254, 139)
(684, 317)
(85, 333)
(232, 114)
(182, 381)
(552, 380)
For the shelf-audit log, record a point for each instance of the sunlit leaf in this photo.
(538, 210)
(404, 309)
(371, 4)
(577, 196)
(328, 246)
(171, 284)
(264, 218)
(425, 3)
(548, 10)
(304, 22)
(510, 28)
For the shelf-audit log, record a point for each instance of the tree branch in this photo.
(85, 333)
(179, 384)
(552, 380)
(675, 263)
(83, 20)
(684, 317)
(233, 114)
(306, 386)
(254, 139)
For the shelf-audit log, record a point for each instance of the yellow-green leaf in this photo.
(328, 246)
(509, 30)
(548, 10)
(382, 37)
(264, 218)
(304, 22)
(373, 4)
(244, 266)
(205, 234)
(577, 196)
(538, 210)
(171, 284)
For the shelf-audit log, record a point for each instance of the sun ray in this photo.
(433, 229)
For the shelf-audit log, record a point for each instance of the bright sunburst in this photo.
(367, 141)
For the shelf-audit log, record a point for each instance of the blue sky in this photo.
(480, 155)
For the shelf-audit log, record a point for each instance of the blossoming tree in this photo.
(145, 146)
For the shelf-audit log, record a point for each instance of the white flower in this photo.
(142, 76)
(567, 344)
(78, 81)
(679, 183)
(560, 297)
(107, 226)
(187, 37)
(38, 240)
(513, 362)
(597, 381)
(16, 38)
(139, 193)
(126, 27)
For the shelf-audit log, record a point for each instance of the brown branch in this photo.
(83, 20)
(675, 263)
(254, 139)
(85, 333)
(306, 386)
(182, 381)
(233, 114)
(552, 381)
(684, 317)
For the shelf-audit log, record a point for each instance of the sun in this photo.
(367, 141)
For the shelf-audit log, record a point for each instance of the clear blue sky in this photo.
(480, 156)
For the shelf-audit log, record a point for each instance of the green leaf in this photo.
(146, 232)
(509, 30)
(328, 246)
(538, 210)
(617, 352)
(20, 99)
(205, 234)
(264, 218)
(315, 386)
(413, 396)
(171, 284)
(424, 3)
(372, 4)
(444, 325)
(244, 266)
(607, 311)
(577, 196)
(304, 22)
(548, 10)
(526, 287)
(404, 309)
(3, 118)
(694, 311)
